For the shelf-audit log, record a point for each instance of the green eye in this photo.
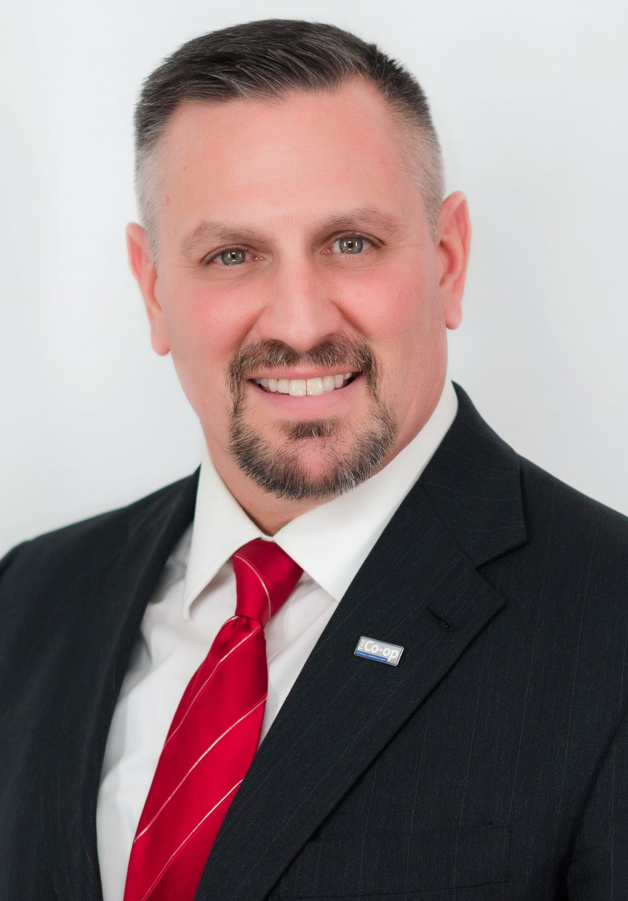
(350, 244)
(233, 257)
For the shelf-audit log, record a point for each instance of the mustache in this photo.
(340, 353)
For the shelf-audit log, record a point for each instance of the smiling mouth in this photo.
(305, 387)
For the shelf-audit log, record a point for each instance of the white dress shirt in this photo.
(196, 594)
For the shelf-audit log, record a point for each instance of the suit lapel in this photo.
(99, 647)
(419, 588)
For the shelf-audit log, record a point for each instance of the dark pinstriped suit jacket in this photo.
(491, 764)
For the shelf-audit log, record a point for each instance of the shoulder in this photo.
(570, 577)
(98, 538)
(511, 489)
(559, 514)
(524, 527)
(71, 581)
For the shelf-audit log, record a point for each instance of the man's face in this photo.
(293, 251)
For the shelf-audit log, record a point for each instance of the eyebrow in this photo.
(220, 231)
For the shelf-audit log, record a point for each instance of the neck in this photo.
(268, 512)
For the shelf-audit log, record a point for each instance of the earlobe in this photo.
(145, 273)
(453, 247)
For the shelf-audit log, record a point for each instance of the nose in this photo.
(300, 308)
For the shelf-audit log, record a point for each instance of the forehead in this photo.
(303, 154)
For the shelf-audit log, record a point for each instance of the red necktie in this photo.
(213, 737)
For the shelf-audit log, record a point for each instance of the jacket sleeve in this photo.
(598, 870)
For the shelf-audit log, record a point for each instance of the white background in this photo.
(530, 100)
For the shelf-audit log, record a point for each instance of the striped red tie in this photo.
(213, 737)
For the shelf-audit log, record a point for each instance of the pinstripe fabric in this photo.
(213, 736)
(490, 765)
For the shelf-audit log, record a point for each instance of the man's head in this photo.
(264, 61)
(290, 185)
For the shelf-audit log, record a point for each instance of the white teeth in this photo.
(301, 387)
(298, 388)
(315, 386)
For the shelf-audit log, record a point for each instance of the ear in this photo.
(453, 243)
(140, 261)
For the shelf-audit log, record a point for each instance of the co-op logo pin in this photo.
(381, 651)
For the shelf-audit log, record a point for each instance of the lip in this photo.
(311, 406)
(304, 374)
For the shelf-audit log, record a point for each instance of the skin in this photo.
(278, 177)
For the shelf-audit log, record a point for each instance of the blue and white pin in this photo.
(380, 651)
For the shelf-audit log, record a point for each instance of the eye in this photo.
(350, 244)
(231, 257)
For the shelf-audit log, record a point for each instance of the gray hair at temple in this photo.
(264, 60)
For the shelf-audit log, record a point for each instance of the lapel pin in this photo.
(381, 651)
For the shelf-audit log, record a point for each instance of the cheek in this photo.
(205, 329)
(398, 312)
(402, 319)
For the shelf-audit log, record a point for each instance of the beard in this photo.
(283, 470)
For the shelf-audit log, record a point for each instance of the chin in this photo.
(314, 463)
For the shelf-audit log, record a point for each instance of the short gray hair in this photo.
(264, 60)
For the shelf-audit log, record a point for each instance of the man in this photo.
(428, 634)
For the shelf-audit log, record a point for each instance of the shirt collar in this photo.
(220, 527)
(331, 541)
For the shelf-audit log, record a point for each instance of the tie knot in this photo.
(265, 577)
